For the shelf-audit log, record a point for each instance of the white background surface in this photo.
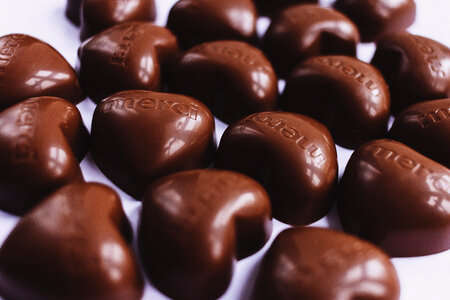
(422, 278)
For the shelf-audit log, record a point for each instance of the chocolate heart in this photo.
(198, 21)
(127, 56)
(74, 245)
(193, 227)
(98, 15)
(233, 78)
(41, 141)
(138, 136)
(22, 76)
(272, 7)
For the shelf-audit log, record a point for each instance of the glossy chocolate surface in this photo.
(323, 264)
(304, 31)
(232, 78)
(73, 8)
(198, 21)
(415, 68)
(98, 15)
(272, 7)
(195, 225)
(347, 95)
(292, 156)
(74, 245)
(396, 198)
(41, 142)
(31, 68)
(138, 136)
(376, 18)
(425, 127)
(134, 55)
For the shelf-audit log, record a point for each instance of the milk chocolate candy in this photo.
(323, 264)
(271, 7)
(425, 127)
(291, 155)
(347, 95)
(198, 21)
(31, 68)
(98, 15)
(195, 224)
(376, 18)
(138, 136)
(396, 198)
(303, 31)
(415, 68)
(127, 56)
(232, 78)
(73, 8)
(74, 245)
(41, 141)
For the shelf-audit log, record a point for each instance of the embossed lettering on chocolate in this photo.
(272, 7)
(291, 155)
(348, 96)
(135, 55)
(396, 198)
(232, 78)
(139, 136)
(425, 127)
(74, 245)
(303, 31)
(41, 142)
(195, 225)
(415, 68)
(31, 68)
(323, 264)
(198, 21)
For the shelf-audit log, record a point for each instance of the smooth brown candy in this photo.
(194, 226)
(415, 68)
(41, 142)
(323, 264)
(74, 245)
(347, 95)
(303, 31)
(31, 68)
(139, 136)
(396, 198)
(272, 7)
(425, 127)
(73, 8)
(198, 21)
(376, 18)
(291, 155)
(135, 55)
(232, 78)
(98, 15)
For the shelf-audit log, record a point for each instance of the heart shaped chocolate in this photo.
(193, 227)
(74, 245)
(41, 142)
(127, 56)
(198, 21)
(23, 76)
(138, 136)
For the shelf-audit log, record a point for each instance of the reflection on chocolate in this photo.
(30, 68)
(41, 141)
(198, 21)
(232, 78)
(271, 7)
(138, 136)
(415, 68)
(377, 18)
(323, 264)
(304, 31)
(74, 245)
(195, 224)
(127, 56)
(98, 15)
(396, 198)
(291, 155)
(425, 127)
(347, 95)
(73, 8)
